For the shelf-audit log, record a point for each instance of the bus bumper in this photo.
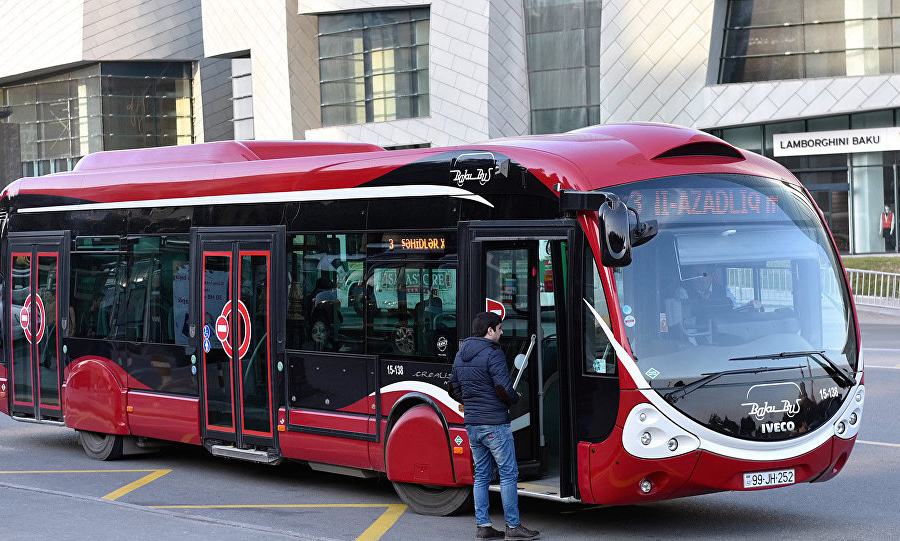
(616, 477)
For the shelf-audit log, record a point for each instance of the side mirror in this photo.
(615, 235)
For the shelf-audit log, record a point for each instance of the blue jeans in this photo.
(493, 444)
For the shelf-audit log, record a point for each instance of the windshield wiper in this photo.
(819, 355)
(678, 394)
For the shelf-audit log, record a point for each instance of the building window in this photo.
(107, 106)
(767, 40)
(563, 50)
(146, 104)
(242, 98)
(373, 66)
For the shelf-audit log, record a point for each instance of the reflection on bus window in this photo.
(325, 292)
(139, 295)
(707, 290)
(411, 309)
(599, 356)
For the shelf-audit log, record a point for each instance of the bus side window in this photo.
(93, 295)
(325, 300)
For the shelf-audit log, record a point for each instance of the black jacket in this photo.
(480, 380)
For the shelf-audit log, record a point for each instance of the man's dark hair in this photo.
(483, 321)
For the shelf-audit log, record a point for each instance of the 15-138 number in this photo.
(395, 369)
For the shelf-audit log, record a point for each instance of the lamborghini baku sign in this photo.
(836, 142)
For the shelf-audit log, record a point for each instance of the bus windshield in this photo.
(741, 277)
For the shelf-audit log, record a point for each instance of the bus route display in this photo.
(417, 244)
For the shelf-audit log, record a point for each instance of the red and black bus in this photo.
(304, 301)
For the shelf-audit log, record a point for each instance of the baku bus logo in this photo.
(473, 166)
(760, 410)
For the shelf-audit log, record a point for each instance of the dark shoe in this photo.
(521, 533)
(488, 532)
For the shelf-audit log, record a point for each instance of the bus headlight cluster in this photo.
(846, 426)
(651, 435)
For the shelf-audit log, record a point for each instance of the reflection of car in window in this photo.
(411, 308)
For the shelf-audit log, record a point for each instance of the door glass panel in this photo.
(549, 279)
(21, 327)
(506, 281)
(254, 363)
(507, 273)
(217, 340)
(48, 340)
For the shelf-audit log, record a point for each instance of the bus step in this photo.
(38, 421)
(251, 455)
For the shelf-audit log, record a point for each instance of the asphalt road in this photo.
(50, 490)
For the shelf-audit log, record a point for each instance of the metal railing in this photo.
(875, 288)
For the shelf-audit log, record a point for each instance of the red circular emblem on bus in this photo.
(223, 329)
(25, 318)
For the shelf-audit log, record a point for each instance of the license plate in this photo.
(769, 478)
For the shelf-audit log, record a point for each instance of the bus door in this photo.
(39, 318)
(520, 272)
(237, 333)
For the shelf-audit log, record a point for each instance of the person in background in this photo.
(480, 380)
(887, 228)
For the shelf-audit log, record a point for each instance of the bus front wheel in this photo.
(434, 500)
(100, 446)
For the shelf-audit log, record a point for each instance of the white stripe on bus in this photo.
(365, 192)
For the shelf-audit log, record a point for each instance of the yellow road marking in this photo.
(79, 471)
(152, 476)
(372, 533)
(135, 485)
(383, 524)
(879, 443)
(269, 505)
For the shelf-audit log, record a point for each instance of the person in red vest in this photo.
(887, 228)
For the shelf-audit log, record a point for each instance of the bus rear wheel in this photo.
(99, 446)
(434, 500)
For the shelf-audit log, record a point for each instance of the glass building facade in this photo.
(563, 50)
(767, 40)
(373, 66)
(106, 106)
(852, 189)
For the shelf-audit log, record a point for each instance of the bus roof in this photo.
(586, 159)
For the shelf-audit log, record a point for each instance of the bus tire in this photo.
(434, 500)
(99, 446)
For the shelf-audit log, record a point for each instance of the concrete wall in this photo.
(212, 101)
(508, 104)
(283, 49)
(658, 65)
(35, 36)
(142, 30)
